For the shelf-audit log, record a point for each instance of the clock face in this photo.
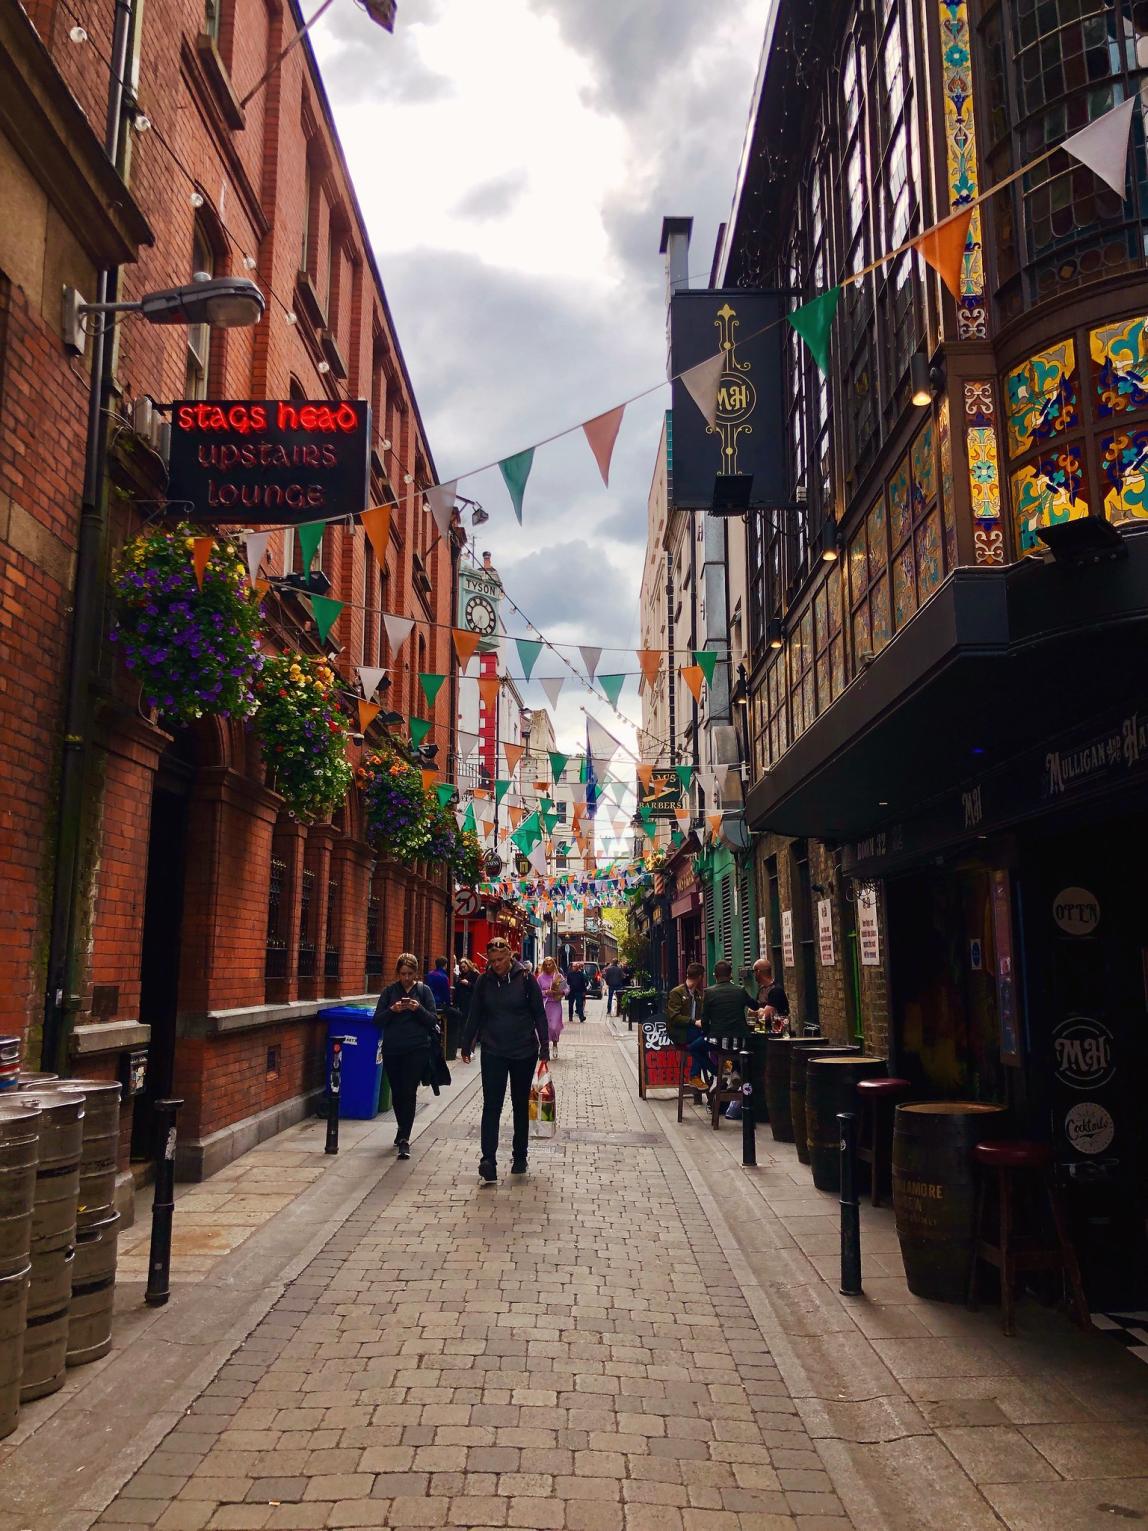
(480, 617)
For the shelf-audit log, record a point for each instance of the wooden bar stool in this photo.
(726, 1049)
(876, 1099)
(1013, 1251)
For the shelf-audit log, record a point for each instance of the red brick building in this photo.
(206, 924)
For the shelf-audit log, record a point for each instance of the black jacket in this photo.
(406, 1031)
(507, 1016)
(576, 983)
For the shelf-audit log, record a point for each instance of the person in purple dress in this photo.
(553, 987)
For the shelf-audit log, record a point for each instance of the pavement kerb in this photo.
(257, 1272)
(854, 1468)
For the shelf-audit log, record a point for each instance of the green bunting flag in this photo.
(706, 661)
(813, 321)
(528, 652)
(469, 827)
(528, 834)
(612, 686)
(501, 788)
(650, 828)
(685, 776)
(677, 838)
(550, 818)
(515, 471)
(582, 763)
(432, 685)
(558, 763)
(444, 792)
(310, 536)
(420, 728)
(325, 611)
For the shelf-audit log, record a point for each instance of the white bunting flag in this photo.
(602, 741)
(1103, 145)
(440, 502)
(702, 384)
(255, 546)
(552, 685)
(591, 658)
(369, 678)
(398, 630)
(467, 743)
(537, 858)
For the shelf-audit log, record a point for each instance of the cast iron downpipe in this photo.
(59, 1001)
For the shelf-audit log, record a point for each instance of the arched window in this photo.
(199, 336)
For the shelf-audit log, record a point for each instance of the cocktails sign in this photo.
(268, 462)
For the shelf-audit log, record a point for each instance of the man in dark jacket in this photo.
(406, 1013)
(576, 992)
(508, 1020)
(725, 1004)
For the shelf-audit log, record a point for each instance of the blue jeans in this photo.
(699, 1052)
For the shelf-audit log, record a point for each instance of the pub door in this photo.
(163, 918)
(1086, 930)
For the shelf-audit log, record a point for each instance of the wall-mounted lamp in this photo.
(926, 380)
(775, 633)
(741, 687)
(827, 546)
(224, 302)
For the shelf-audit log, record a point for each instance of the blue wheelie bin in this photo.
(361, 1073)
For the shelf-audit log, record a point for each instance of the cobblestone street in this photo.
(639, 1335)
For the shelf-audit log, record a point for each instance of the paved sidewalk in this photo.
(641, 1334)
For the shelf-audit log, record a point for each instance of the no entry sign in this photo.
(268, 462)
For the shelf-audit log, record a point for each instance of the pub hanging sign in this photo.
(276, 462)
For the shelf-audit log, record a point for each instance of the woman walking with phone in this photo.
(409, 1021)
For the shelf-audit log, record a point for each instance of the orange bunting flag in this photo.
(651, 662)
(262, 586)
(513, 753)
(377, 525)
(428, 779)
(694, 677)
(368, 712)
(602, 433)
(682, 815)
(645, 772)
(200, 553)
(479, 792)
(943, 248)
(714, 822)
(465, 645)
(488, 688)
(517, 814)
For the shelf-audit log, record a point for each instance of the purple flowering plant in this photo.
(196, 652)
(398, 809)
(303, 733)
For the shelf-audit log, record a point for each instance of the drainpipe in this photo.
(60, 1002)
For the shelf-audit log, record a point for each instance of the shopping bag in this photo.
(543, 1104)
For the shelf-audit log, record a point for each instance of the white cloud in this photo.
(514, 163)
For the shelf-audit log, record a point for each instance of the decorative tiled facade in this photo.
(1042, 397)
(984, 470)
(1120, 366)
(961, 159)
(1047, 491)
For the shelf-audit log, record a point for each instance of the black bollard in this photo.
(850, 1207)
(748, 1125)
(333, 1077)
(163, 1205)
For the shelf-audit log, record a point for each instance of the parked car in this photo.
(594, 986)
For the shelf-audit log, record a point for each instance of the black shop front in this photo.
(994, 783)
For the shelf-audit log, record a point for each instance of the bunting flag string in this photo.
(515, 471)
(651, 663)
(707, 660)
(376, 522)
(943, 248)
(694, 677)
(591, 657)
(612, 686)
(552, 686)
(465, 645)
(310, 536)
(602, 433)
(255, 547)
(431, 685)
(398, 630)
(370, 678)
(200, 554)
(513, 753)
(440, 500)
(488, 688)
(419, 729)
(368, 712)
(528, 652)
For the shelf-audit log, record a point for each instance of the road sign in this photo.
(467, 903)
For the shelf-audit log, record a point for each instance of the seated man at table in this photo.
(684, 1022)
(773, 1003)
(725, 1004)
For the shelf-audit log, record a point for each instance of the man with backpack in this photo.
(508, 1021)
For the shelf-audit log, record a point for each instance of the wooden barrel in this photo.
(96, 1252)
(798, 1055)
(90, 1322)
(97, 1192)
(777, 1050)
(19, 1152)
(831, 1086)
(9, 1063)
(13, 1305)
(934, 1190)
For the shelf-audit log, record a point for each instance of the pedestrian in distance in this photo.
(576, 993)
(553, 987)
(615, 977)
(408, 1018)
(464, 986)
(438, 982)
(508, 1021)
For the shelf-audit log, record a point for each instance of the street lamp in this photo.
(224, 302)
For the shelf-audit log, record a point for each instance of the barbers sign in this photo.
(268, 462)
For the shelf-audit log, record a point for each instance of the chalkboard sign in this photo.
(659, 1059)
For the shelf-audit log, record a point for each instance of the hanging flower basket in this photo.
(398, 809)
(468, 865)
(194, 651)
(303, 734)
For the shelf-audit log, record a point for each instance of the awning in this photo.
(998, 660)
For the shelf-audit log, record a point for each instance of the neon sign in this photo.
(268, 461)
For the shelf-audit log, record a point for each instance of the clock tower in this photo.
(479, 602)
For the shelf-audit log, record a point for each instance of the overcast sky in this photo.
(514, 162)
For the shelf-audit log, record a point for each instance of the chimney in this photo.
(486, 563)
(675, 247)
